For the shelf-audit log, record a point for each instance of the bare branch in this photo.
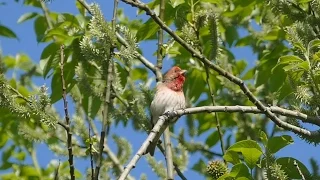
(160, 123)
(176, 168)
(215, 114)
(65, 103)
(90, 151)
(166, 134)
(163, 119)
(222, 72)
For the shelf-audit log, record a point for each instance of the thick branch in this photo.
(221, 71)
(65, 103)
(143, 148)
(195, 110)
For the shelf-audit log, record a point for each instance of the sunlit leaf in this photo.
(250, 150)
(27, 16)
(279, 142)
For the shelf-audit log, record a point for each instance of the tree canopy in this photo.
(101, 74)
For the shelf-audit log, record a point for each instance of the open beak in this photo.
(183, 72)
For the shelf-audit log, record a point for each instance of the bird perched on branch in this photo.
(169, 97)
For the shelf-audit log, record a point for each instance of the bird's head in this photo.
(175, 78)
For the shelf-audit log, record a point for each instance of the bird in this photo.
(169, 96)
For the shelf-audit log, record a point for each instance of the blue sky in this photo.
(10, 13)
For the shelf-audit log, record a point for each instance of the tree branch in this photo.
(220, 71)
(65, 103)
(208, 109)
(166, 134)
(215, 114)
(109, 152)
(297, 166)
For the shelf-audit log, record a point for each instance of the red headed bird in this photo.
(169, 96)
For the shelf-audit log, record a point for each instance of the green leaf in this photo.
(7, 153)
(200, 166)
(21, 156)
(279, 142)
(59, 35)
(56, 83)
(27, 16)
(91, 105)
(139, 74)
(249, 74)
(6, 32)
(148, 30)
(287, 164)
(245, 41)
(192, 87)
(123, 74)
(250, 150)
(240, 66)
(175, 3)
(40, 27)
(232, 157)
(32, 3)
(240, 171)
(231, 35)
(3, 138)
(28, 171)
(277, 79)
(287, 60)
(212, 139)
(49, 58)
(220, 2)
(80, 8)
(313, 44)
(263, 137)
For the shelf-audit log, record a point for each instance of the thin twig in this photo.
(56, 173)
(297, 166)
(105, 117)
(109, 152)
(33, 154)
(46, 14)
(215, 114)
(65, 103)
(85, 5)
(166, 134)
(176, 167)
(107, 92)
(114, 17)
(229, 76)
(90, 151)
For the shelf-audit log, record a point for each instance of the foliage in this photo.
(284, 36)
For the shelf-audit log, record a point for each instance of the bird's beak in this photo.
(183, 72)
